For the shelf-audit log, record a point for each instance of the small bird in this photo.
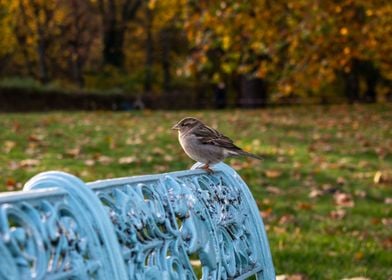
(205, 144)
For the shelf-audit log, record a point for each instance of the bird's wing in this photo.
(208, 135)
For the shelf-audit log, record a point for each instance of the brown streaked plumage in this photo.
(205, 144)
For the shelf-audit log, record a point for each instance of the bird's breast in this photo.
(200, 152)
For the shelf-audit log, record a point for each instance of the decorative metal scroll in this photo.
(180, 225)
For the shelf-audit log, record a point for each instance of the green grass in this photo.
(330, 149)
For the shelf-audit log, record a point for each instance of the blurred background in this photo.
(121, 54)
(324, 188)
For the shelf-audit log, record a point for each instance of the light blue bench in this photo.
(179, 225)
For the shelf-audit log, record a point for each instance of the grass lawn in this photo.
(324, 188)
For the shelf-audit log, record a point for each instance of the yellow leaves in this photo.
(226, 42)
(382, 177)
(262, 70)
(227, 68)
(287, 89)
(343, 31)
(377, 177)
(257, 46)
(151, 4)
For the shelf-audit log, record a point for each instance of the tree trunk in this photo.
(372, 77)
(114, 27)
(41, 51)
(165, 38)
(149, 51)
(113, 53)
(351, 87)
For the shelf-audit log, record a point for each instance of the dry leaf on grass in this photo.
(337, 214)
(272, 173)
(8, 146)
(343, 199)
(127, 160)
(73, 152)
(291, 277)
(316, 193)
(273, 190)
(382, 177)
(30, 162)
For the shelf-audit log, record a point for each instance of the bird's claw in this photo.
(207, 168)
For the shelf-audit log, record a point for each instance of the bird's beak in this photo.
(175, 127)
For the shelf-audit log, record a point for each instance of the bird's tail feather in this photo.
(246, 154)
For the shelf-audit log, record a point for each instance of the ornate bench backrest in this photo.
(180, 225)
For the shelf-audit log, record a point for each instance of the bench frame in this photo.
(141, 227)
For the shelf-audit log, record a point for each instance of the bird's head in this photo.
(186, 124)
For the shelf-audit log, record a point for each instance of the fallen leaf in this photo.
(29, 162)
(387, 243)
(359, 193)
(89, 162)
(273, 173)
(285, 219)
(273, 190)
(291, 277)
(386, 221)
(279, 230)
(104, 159)
(10, 184)
(127, 160)
(73, 152)
(343, 199)
(388, 200)
(168, 157)
(304, 206)
(8, 146)
(266, 213)
(382, 177)
(340, 180)
(316, 193)
(337, 214)
(377, 177)
(36, 137)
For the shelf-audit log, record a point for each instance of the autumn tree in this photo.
(298, 46)
(35, 30)
(80, 28)
(7, 44)
(115, 16)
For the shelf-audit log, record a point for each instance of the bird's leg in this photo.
(207, 168)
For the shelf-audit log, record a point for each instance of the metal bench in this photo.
(179, 225)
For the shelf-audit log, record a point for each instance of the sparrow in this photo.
(205, 144)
